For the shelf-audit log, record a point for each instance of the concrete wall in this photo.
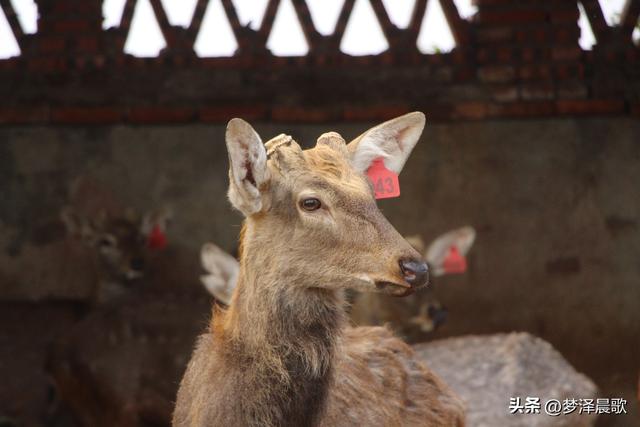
(556, 204)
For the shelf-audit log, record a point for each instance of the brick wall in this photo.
(513, 59)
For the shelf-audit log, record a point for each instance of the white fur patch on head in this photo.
(393, 141)
(248, 166)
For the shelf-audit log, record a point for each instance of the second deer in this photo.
(282, 354)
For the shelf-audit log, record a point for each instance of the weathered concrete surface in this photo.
(486, 371)
(555, 204)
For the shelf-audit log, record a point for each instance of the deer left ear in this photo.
(248, 170)
(393, 141)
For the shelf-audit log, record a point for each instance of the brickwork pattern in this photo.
(514, 58)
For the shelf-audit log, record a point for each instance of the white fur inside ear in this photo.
(248, 166)
(461, 238)
(393, 141)
(223, 272)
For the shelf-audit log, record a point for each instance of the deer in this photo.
(282, 353)
(445, 255)
(121, 363)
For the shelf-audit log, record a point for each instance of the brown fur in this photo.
(282, 353)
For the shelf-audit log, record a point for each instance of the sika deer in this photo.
(120, 365)
(281, 354)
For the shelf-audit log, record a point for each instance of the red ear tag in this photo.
(454, 263)
(156, 239)
(385, 182)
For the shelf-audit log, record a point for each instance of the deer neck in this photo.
(287, 332)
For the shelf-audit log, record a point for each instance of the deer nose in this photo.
(137, 264)
(415, 273)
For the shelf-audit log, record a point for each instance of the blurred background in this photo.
(113, 174)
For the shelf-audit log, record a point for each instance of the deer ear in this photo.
(247, 167)
(78, 225)
(446, 254)
(393, 141)
(223, 272)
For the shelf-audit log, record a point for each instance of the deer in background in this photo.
(120, 365)
(445, 255)
(123, 244)
(282, 353)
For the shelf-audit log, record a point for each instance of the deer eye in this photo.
(310, 204)
(106, 242)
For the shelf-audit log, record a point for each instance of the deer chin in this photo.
(394, 289)
(387, 286)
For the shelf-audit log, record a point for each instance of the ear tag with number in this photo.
(454, 263)
(385, 182)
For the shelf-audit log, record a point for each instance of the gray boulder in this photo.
(487, 371)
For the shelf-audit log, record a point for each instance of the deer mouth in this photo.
(395, 289)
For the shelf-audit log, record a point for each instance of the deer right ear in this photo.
(392, 141)
(247, 167)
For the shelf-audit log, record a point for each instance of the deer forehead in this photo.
(325, 167)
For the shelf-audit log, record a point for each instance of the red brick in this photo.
(47, 64)
(61, 7)
(558, 16)
(10, 63)
(160, 114)
(226, 113)
(463, 74)
(568, 71)
(534, 72)
(566, 53)
(496, 74)
(510, 17)
(87, 44)
(471, 110)
(504, 93)
(71, 26)
(88, 115)
(592, 106)
(302, 114)
(522, 109)
(24, 115)
(50, 44)
(374, 112)
(537, 91)
(575, 89)
(566, 35)
(504, 54)
(495, 35)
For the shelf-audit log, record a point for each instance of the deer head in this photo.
(122, 242)
(311, 215)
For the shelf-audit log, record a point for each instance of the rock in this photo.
(486, 371)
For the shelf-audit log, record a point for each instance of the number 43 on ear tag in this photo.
(385, 182)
